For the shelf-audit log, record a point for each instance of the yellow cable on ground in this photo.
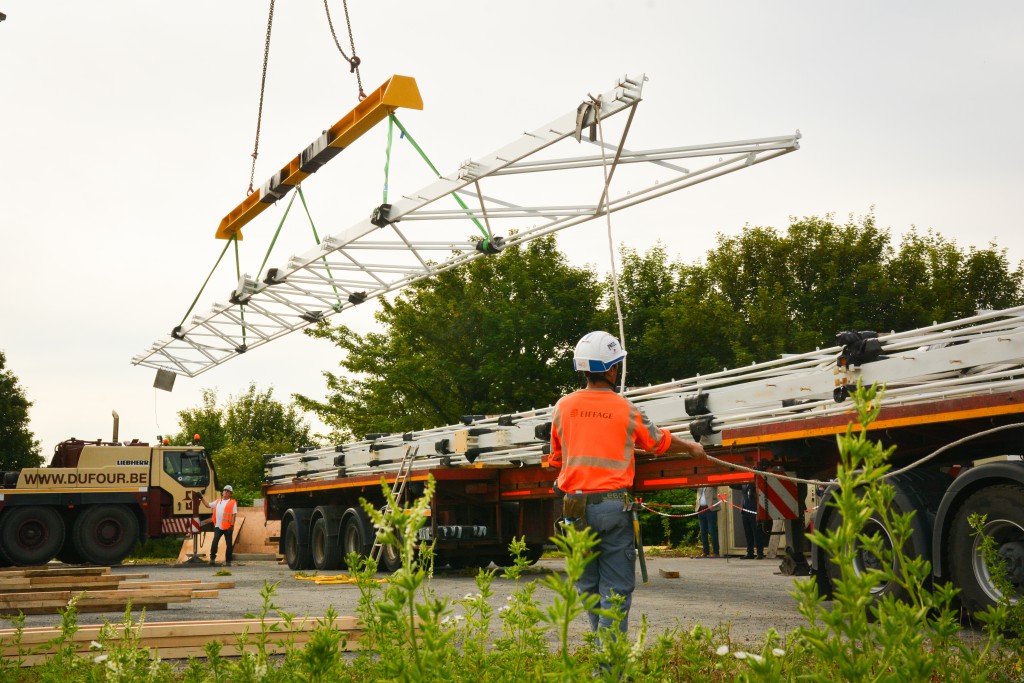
(336, 580)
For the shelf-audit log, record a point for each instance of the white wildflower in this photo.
(468, 596)
(95, 646)
(458, 618)
(778, 652)
(724, 650)
(100, 659)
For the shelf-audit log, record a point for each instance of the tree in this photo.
(493, 336)
(18, 446)
(237, 435)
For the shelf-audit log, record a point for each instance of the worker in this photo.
(706, 506)
(594, 434)
(223, 523)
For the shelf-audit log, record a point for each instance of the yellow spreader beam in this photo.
(397, 91)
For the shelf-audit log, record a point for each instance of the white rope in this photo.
(916, 463)
(611, 243)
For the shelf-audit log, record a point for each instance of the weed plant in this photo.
(409, 633)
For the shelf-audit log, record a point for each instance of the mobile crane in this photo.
(98, 499)
(954, 407)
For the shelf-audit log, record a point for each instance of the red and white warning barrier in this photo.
(180, 525)
(777, 499)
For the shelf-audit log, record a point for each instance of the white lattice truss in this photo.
(426, 233)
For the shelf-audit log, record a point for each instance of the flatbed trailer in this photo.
(962, 380)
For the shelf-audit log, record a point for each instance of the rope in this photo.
(611, 242)
(263, 87)
(462, 204)
(387, 157)
(316, 238)
(353, 61)
(273, 241)
(207, 281)
(913, 465)
(238, 274)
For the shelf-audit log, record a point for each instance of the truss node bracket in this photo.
(379, 217)
(495, 245)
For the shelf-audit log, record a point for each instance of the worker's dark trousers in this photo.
(707, 522)
(227, 534)
(614, 570)
(753, 533)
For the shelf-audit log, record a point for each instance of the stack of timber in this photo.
(44, 590)
(175, 640)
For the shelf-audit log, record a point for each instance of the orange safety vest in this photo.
(594, 433)
(224, 518)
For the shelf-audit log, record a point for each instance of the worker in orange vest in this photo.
(594, 434)
(224, 509)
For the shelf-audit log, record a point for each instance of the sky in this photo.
(126, 130)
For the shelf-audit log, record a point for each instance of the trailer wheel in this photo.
(324, 547)
(356, 533)
(31, 535)
(296, 553)
(105, 534)
(391, 557)
(865, 561)
(1003, 507)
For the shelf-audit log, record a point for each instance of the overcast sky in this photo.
(126, 130)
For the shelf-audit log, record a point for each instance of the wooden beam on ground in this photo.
(177, 640)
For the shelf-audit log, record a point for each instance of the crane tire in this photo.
(31, 534)
(1003, 506)
(105, 534)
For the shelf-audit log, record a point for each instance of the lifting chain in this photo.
(353, 61)
(263, 87)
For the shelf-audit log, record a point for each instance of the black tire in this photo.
(324, 547)
(105, 534)
(356, 533)
(296, 551)
(865, 560)
(1003, 507)
(68, 554)
(390, 557)
(31, 535)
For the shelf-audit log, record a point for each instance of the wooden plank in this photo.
(178, 640)
(205, 594)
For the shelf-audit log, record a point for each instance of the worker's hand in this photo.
(697, 450)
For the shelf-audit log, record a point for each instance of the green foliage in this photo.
(18, 446)
(238, 434)
(493, 336)
(864, 637)
(671, 531)
(412, 635)
(157, 549)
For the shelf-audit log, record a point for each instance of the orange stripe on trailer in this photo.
(697, 479)
(397, 91)
(881, 423)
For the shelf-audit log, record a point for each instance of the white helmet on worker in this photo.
(228, 488)
(597, 352)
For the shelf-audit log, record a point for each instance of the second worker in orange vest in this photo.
(594, 434)
(224, 509)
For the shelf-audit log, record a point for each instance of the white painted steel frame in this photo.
(425, 239)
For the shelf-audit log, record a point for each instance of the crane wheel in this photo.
(30, 535)
(105, 534)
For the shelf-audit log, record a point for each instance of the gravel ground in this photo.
(750, 596)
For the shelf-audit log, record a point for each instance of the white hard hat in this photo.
(228, 488)
(597, 352)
